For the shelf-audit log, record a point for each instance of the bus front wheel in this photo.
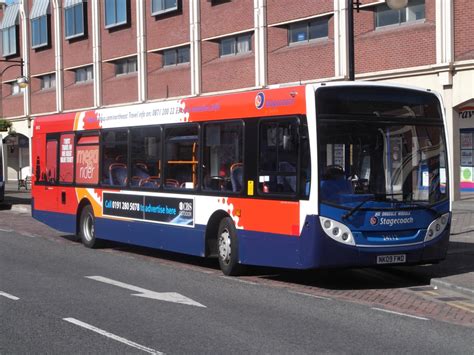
(227, 248)
(87, 228)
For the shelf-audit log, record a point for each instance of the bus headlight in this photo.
(437, 227)
(337, 231)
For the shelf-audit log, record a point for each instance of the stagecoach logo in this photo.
(259, 100)
(392, 218)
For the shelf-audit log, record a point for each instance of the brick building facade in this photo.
(96, 54)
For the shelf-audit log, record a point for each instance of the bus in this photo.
(323, 175)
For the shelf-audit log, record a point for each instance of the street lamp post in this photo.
(21, 80)
(355, 4)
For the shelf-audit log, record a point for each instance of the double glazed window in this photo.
(9, 41)
(126, 66)
(235, 45)
(161, 6)
(84, 74)
(308, 30)
(39, 31)
(48, 81)
(384, 16)
(74, 20)
(176, 56)
(115, 13)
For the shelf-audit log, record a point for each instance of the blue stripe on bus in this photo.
(61, 221)
(313, 249)
(154, 235)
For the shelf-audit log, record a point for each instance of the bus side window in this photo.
(222, 157)
(181, 156)
(146, 157)
(114, 157)
(278, 157)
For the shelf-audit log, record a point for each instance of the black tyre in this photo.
(87, 228)
(228, 248)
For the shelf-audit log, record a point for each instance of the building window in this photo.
(161, 6)
(115, 13)
(48, 81)
(384, 16)
(74, 20)
(235, 45)
(307, 31)
(84, 74)
(39, 31)
(16, 90)
(126, 66)
(9, 29)
(9, 41)
(175, 56)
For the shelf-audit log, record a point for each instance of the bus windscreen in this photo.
(378, 103)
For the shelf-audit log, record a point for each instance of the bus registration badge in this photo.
(391, 259)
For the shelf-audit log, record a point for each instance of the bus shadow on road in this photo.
(459, 262)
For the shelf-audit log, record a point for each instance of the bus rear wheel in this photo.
(227, 248)
(87, 228)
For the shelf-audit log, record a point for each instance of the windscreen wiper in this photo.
(356, 208)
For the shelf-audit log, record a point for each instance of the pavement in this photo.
(456, 273)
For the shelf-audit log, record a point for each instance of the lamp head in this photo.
(396, 4)
(22, 82)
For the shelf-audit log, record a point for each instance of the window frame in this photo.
(85, 68)
(320, 20)
(10, 42)
(43, 23)
(167, 158)
(234, 44)
(240, 123)
(127, 62)
(399, 12)
(278, 121)
(164, 10)
(82, 21)
(116, 23)
(175, 52)
(43, 78)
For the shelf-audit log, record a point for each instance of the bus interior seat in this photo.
(151, 181)
(139, 172)
(236, 176)
(118, 174)
(172, 183)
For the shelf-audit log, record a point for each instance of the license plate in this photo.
(391, 259)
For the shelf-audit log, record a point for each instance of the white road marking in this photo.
(310, 295)
(7, 295)
(161, 296)
(112, 336)
(6, 230)
(400, 314)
